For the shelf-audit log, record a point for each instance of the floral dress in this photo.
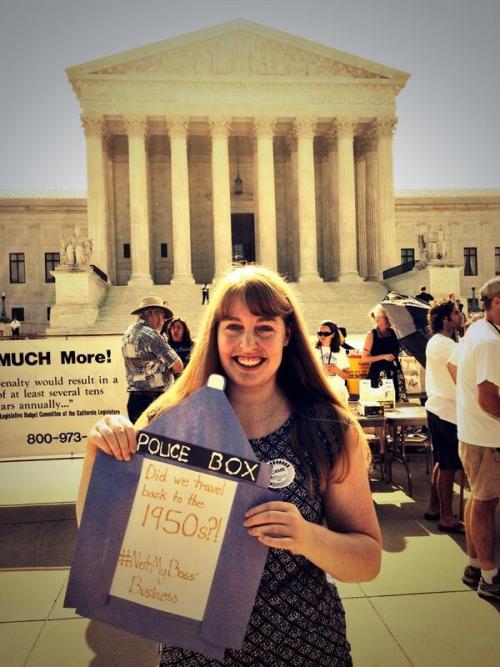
(298, 619)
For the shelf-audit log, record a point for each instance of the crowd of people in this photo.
(150, 362)
(291, 400)
(463, 414)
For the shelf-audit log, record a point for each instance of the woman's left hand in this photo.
(279, 525)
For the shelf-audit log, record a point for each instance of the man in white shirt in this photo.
(478, 413)
(15, 327)
(444, 320)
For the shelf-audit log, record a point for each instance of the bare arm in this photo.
(350, 547)
(488, 398)
(367, 348)
(114, 435)
(177, 366)
(335, 370)
(343, 372)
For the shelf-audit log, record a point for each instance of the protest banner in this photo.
(52, 390)
(178, 564)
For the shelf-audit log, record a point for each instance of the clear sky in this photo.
(448, 134)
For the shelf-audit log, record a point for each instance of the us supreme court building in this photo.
(307, 130)
(241, 143)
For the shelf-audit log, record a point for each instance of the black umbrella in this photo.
(408, 318)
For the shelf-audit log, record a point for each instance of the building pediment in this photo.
(235, 50)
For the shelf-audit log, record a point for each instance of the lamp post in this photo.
(3, 316)
(473, 303)
(238, 183)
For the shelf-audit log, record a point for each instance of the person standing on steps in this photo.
(205, 294)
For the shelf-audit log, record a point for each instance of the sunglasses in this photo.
(325, 334)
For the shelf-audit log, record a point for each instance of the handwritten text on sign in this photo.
(173, 539)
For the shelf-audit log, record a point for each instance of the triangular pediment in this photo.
(234, 50)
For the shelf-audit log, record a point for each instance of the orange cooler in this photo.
(358, 370)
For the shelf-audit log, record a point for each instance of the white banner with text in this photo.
(52, 391)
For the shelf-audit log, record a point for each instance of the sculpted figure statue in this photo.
(442, 244)
(62, 252)
(422, 246)
(431, 245)
(87, 251)
(77, 250)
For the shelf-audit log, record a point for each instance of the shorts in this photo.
(482, 467)
(444, 442)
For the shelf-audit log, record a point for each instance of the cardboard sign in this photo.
(177, 514)
(162, 550)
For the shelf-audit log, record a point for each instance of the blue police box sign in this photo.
(162, 550)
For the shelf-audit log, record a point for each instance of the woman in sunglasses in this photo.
(333, 357)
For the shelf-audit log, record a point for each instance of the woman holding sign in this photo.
(254, 335)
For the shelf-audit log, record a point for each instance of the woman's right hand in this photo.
(389, 357)
(114, 435)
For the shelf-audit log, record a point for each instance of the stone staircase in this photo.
(114, 315)
(347, 304)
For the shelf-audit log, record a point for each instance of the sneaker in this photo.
(471, 576)
(490, 591)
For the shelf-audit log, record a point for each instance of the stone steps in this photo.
(347, 304)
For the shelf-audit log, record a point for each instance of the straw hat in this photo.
(153, 302)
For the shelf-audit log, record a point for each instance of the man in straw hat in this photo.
(478, 417)
(150, 362)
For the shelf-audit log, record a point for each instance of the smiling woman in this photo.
(251, 347)
(254, 335)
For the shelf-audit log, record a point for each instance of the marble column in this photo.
(292, 222)
(308, 270)
(221, 193)
(98, 225)
(136, 127)
(181, 228)
(371, 204)
(360, 180)
(267, 252)
(324, 209)
(346, 200)
(331, 136)
(252, 143)
(388, 255)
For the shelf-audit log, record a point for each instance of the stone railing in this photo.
(398, 270)
(98, 272)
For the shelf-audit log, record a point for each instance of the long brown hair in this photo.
(319, 414)
(186, 334)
